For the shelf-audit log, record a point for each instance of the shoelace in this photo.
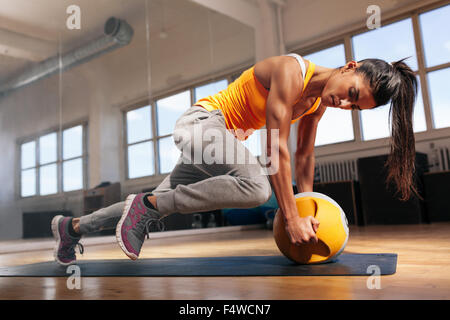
(153, 222)
(71, 250)
(80, 248)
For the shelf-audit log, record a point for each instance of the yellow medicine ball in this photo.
(332, 233)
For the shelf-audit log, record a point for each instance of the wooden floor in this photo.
(423, 270)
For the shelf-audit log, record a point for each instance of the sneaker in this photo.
(64, 252)
(136, 222)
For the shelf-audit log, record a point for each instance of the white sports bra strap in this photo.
(300, 61)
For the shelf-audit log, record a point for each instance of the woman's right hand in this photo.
(302, 230)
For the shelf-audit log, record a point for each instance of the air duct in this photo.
(117, 33)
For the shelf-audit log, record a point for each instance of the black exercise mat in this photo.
(346, 265)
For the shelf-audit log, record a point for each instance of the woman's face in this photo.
(348, 90)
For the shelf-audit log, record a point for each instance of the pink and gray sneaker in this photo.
(64, 252)
(137, 220)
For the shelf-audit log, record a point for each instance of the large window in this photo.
(150, 147)
(390, 43)
(434, 27)
(147, 136)
(334, 119)
(41, 162)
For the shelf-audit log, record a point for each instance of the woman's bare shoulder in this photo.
(265, 69)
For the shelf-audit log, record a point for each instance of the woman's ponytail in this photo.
(401, 161)
(396, 82)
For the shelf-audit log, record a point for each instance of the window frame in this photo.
(59, 160)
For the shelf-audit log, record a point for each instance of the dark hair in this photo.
(396, 82)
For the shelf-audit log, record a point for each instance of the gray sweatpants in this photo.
(227, 175)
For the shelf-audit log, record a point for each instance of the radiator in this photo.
(336, 171)
(440, 159)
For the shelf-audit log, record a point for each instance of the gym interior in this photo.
(90, 93)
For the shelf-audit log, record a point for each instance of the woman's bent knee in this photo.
(262, 190)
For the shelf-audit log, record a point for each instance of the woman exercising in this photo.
(275, 92)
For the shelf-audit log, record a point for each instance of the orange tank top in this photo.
(243, 103)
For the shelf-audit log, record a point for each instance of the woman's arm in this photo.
(285, 86)
(304, 155)
(284, 89)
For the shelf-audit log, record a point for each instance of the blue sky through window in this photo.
(390, 43)
(435, 27)
(440, 97)
(170, 109)
(210, 89)
(139, 125)
(140, 160)
(73, 142)
(168, 154)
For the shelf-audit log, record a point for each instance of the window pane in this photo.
(168, 154)
(333, 57)
(170, 109)
(435, 27)
(390, 43)
(253, 143)
(28, 154)
(48, 179)
(375, 123)
(28, 183)
(210, 89)
(140, 160)
(139, 124)
(440, 97)
(47, 148)
(73, 142)
(334, 119)
(73, 175)
(419, 123)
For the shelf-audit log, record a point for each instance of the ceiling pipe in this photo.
(117, 33)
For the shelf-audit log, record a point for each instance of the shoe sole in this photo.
(55, 231)
(128, 203)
